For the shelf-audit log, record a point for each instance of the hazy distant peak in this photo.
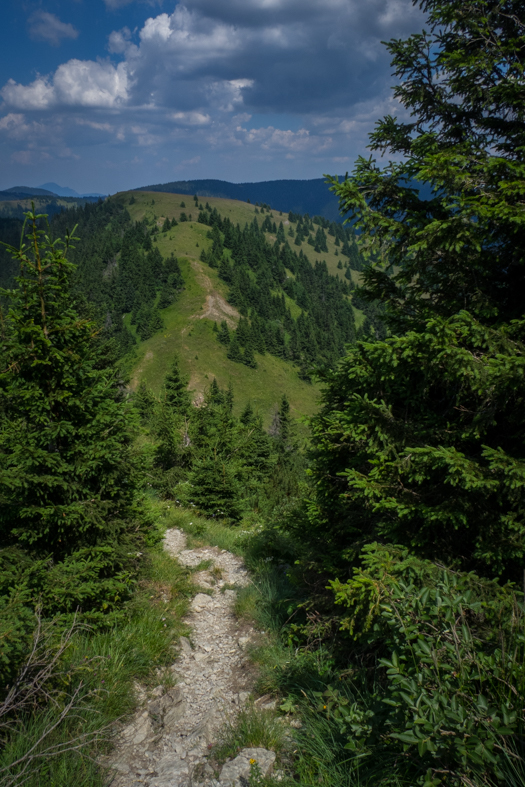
(61, 191)
(31, 191)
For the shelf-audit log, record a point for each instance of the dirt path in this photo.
(215, 307)
(166, 743)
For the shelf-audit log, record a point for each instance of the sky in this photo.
(108, 95)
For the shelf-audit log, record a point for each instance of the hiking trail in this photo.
(167, 741)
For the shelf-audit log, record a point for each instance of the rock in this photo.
(266, 702)
(243, 642)
(201, 601)
(236, 771)
(185, 646)
(168, 709)
(121, 767)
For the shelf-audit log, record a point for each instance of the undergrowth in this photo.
(103, 666)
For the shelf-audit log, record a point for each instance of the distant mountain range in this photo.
(298, 196)
(52, 190)
(65, 191)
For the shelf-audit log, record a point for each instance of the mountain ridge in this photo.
(300, 196)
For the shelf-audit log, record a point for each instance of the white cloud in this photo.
(81, 83)
(198, 78)
(44, 26)
(190, 118)
(11, 122)
(24, 157)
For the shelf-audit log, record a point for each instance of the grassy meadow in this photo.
(189, 321)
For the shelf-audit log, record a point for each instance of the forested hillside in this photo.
(299, 196)
(222, 284)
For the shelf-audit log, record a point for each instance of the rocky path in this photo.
(166, 743)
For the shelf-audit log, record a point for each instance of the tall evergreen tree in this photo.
(421, 438)
(68, 473)
(177, 395)
(223, 333)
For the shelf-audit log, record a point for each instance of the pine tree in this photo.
(68, 473)
(421, 433)
(177, 395)
(224, 334)
(247, 416)
(249, 357)
(215, 395)
(234, 351)
(215, 490)
(284, 419)
(144, 400)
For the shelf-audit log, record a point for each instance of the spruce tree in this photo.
(223, 333)
(234, 351)
(284, 419)
(249, 357)
(421, 438)
(144, 400)
(215, 490)
(177, 396)
(68, 472)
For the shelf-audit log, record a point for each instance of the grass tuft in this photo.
(106, 666)
(252, 727)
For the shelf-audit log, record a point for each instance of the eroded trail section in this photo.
(166, 743)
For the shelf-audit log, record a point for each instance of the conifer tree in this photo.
(228, 398)
(224, 334)
(144, 400)
(249, 357)
(247, 416)
(215, 490)
(177, 396)
(234, 351)
(284, 419)
(215, 395)
(421, 438)
(68, 472)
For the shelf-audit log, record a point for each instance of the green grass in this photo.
(252, 727)
(189, 321)
(106, 665)
(201, 531)
(189, 332)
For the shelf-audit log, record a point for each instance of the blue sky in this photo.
(105, 95)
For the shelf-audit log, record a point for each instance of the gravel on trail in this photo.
(167, 741)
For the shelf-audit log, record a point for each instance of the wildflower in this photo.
(324, 707)
(252, 761)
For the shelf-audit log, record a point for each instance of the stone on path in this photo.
(236, 773)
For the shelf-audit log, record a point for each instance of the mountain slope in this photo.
(299, 196)
(189, 321)
(248, 295)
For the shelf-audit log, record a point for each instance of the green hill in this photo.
(157, 206)
(300, 196)
(189, 321)
(168, 274)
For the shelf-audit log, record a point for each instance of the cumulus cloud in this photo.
(201, 76)
(298, 56)
(79, 83)
(44, 26)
